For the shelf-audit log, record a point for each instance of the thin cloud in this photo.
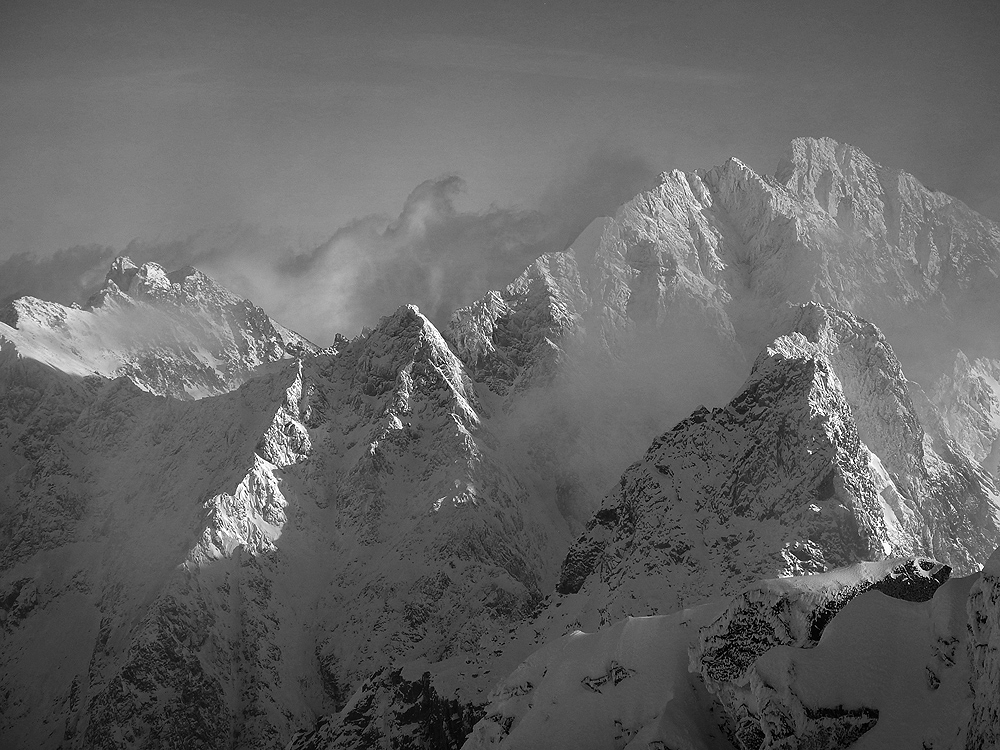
(510, 57)
(66, 276)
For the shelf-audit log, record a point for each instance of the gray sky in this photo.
(172, 123)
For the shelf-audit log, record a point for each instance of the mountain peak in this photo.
(177, 333)
(151, 282)
(410, 312)
(149, 279)
(406, 336)
(406, 323)
(830, 172)
(122, 271)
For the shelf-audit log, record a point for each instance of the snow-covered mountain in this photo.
(214, 534)
(233, 566)
(875, 655)
(177, 334)
(812, 465)
(821, 460)
(661, 307)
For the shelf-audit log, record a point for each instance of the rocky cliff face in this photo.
(968, 400)
(819, 461)
(121, 620)
(440, 536)
(982, 716)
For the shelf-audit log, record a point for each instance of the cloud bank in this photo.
(433, 253)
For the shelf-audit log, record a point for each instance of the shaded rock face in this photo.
(145, 596)
(234, 566)
(821, 460)
(440, 540)
(983, 715)
(391, 711)
(763, 617)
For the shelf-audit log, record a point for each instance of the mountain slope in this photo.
(591, 353)
(820, 461)
(668, 302)
(280, 543)
(147, 514)
(872, 655)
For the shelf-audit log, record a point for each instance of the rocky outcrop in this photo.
(794, 613)
(392, 711)
(982, 727)
(785, 663)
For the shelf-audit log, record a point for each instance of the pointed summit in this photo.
(122, 271)
(820, 461)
